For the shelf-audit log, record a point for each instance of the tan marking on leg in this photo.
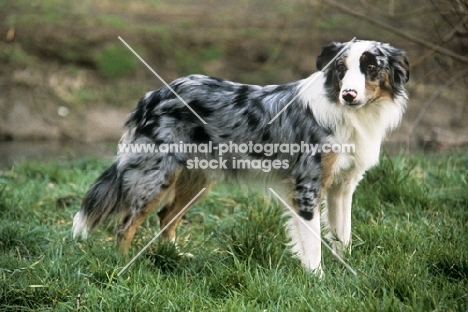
(187, 186)
(125, 237)
(328, 162)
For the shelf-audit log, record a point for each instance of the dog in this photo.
(356, 100)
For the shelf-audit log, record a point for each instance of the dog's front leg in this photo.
(339, 199)
(305, 227)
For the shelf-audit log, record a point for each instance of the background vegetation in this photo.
(66, 54)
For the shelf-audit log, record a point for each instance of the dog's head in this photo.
(364, 72)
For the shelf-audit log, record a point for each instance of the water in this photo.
(14, 152)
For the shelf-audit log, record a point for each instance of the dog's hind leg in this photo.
(188, 184)
(149, 192)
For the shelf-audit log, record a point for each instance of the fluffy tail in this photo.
(104, 198)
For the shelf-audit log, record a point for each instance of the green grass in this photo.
(192, 60)
(115, 60)
(17, 56)
(409, 230)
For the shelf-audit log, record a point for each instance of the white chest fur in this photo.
(364, 127)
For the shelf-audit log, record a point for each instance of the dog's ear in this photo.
(400, 68)
(328, 53)
(399, 65)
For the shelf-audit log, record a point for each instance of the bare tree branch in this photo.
(445, 39)
(429, 102)
(396, 31)
(417, 12)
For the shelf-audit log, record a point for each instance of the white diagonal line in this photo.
(162, 80)
(313, 232)
(312, 80)
(160, 232)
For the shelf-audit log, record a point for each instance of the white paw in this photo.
(186, 255)
(319, 272)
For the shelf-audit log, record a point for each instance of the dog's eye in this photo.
(341, 67)
(371, 67)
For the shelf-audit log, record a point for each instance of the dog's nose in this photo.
(349, 95)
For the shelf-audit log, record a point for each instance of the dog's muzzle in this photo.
(349, 95)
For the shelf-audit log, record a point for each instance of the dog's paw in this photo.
(186, 255)
(319, 272)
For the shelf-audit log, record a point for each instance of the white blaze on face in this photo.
(354, 80)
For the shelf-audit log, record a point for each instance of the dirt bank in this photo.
(66, 76)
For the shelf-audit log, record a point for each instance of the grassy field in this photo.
(409, 230)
